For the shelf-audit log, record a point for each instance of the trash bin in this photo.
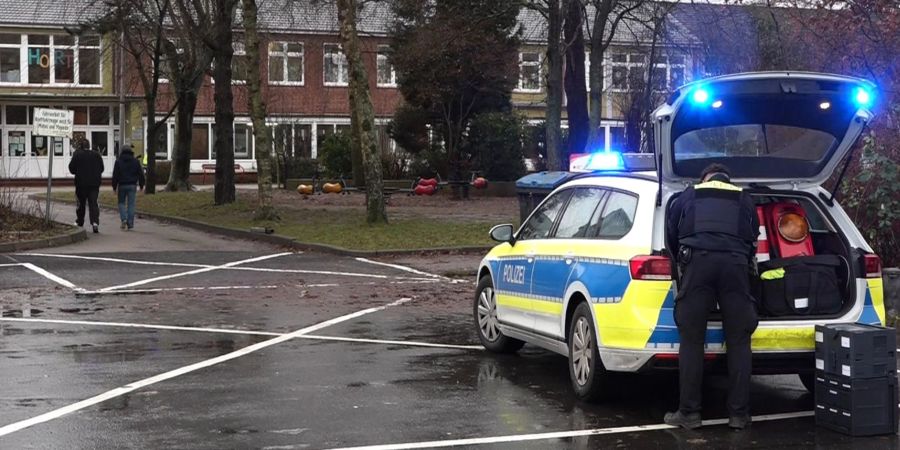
(533, 188)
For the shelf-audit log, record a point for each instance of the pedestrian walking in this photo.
(127, 176)
(87, 166)
(713, 227)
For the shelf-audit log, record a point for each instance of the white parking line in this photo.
(10, 265)
(196, 271)
(175, 289)
(51, 277)
(139, 325)
(116, 260)
(17, 426)
(561, 434)
(234, 331)
(387, 342)
(406, 269)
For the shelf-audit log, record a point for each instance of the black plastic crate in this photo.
(855, 350)
(862, 407)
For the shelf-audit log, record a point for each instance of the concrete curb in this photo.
(289, 242)
(55, 241)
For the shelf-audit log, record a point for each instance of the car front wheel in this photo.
(585, 368)
(486, 324)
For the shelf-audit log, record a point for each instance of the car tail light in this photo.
(873, 265)
(648, 267)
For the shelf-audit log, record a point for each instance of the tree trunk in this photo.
(554, 87)
(596, 139)
(257, 105)
(362, 117)
(224, 100)
(576, 91)
(179, 177)
(152, 145)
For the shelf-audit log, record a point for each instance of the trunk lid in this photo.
(778, 129)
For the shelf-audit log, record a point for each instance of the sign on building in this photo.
(53, 122)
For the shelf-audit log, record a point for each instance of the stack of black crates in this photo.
(856, 379)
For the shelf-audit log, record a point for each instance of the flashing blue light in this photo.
(862, 97)
(700, 96)
(606, 160)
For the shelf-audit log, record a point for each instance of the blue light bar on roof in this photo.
(605, 160)
(862, 97)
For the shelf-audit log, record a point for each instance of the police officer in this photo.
(714, 228)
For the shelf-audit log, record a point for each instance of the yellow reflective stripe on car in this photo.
(717, 185)
(513, 301)
(876, 291)
(629, 323)
(774, 274)
(783, 339)
(543, 306)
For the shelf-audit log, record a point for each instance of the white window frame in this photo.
(522, 65)
(345, 73)
(382, 58)
(628, 65)
(666, 63)
(52, 47)
(287, 55)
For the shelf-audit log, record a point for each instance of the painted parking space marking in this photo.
(116, 260)
(236, 331)
(405, 269)
(54, 278)
(138, 325)
(117, 392)
(196, 271)
(11, 265)
(562, 434)
(390, 342)
(174, 289)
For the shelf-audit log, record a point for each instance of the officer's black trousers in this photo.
(710, 277)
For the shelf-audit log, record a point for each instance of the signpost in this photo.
(52, 123)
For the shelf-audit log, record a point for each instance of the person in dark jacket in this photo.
(87, 166)
(127, 176)
(712, 229)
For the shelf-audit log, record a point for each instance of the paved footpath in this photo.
(147, 236)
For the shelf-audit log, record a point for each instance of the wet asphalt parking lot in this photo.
(268, 349)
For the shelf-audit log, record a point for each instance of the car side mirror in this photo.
(503, 233)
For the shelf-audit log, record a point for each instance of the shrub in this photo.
(335, 155)
(300, 167)
(495, 145)
(162, 172)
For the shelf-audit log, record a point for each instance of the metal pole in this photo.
(49, 177)
(120, 86)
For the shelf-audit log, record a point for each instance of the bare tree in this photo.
(575, 78)
(257, 105)
(362, 114)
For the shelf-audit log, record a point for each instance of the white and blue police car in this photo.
(588, 276)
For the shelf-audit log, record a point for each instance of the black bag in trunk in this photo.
(801, 285)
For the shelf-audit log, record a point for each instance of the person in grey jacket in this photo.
(127, 176)
(87, 166)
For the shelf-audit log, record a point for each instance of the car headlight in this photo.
(793, 227)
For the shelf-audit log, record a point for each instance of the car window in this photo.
(541, 222)
(576, 219)
(616, 218)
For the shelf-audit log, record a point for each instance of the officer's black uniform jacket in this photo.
(713, 215)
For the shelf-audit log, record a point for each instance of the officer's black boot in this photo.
(739, 422)
(679, 419)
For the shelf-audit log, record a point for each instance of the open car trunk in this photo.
(804, 278)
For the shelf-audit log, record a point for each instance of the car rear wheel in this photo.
(586, 371)
(486, 324)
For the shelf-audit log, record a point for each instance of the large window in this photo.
(529, 71)
(627, 71)
(243, 141)
(50, 59)
(10, 58)
(386, 75)
(668, 73)
(335, 66)
(286, 63)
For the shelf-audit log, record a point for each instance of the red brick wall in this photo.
(313, 99)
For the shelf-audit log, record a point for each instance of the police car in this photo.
(588, 274)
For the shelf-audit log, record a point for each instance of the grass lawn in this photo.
(336, 220)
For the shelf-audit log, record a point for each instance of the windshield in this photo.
(773, 141)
